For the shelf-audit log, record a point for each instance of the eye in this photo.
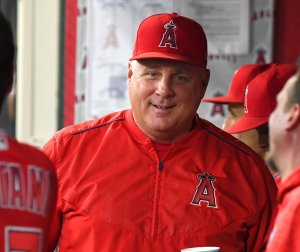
(152, 75)
(181, 78)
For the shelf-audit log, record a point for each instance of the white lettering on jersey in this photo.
(15, 193)
(38, 190)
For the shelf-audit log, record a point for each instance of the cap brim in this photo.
(167, 56)
(223, 99)
(247, 123)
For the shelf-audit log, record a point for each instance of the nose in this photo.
(164, 88)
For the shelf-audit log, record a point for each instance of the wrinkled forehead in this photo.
(164, 63)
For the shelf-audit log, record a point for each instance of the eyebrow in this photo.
(157, 67)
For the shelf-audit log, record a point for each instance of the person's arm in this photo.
(266, 192)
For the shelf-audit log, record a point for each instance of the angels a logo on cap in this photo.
(169, 37)
(246, 101)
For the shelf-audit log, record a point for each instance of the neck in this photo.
(290, 157)
(166, 137)
(170, 137)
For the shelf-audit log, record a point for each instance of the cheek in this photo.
(272, 119)
(275, 123)
(250, 138)
(200, 90)
(139, 90)
(189, 94)
(229, 121)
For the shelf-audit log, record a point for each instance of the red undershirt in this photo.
(162, 149)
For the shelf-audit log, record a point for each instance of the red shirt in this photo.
(27, 196)
(116, 194)
(286, 232)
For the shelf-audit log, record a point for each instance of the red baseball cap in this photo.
(260, 97)
(173, 37)
(241, 78)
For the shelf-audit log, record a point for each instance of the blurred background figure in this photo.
(8, 8)
(28, 183)
(259, 102)
(284, 157)
(234, 99)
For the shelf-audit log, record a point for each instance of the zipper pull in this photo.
(160, 165)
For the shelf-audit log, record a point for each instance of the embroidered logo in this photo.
(205, 191)
(261, 57)
(217, 108)
(169, 37)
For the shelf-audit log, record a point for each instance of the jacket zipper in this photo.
(157, 191)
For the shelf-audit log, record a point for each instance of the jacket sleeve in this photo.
(50, 151)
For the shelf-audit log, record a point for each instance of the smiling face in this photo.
(165, 96)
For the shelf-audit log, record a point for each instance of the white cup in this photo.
(201, 249)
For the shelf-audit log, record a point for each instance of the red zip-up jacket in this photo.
(115, 194)
(286, 232)
(27, 196)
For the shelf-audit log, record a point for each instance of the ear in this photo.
(204, 82)
(129, 72)
(293, 117)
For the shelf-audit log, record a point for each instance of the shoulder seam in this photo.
(96, 127)
(227, 141)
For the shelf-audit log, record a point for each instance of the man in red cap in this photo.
(284, 156)
(260, 101)
(235, 101)
(157, 177)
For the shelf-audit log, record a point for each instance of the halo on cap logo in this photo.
(246, 100)
(169, 37)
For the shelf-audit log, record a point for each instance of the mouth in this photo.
(160, 107)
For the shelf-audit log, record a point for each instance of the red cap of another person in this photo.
(241, 78)
(260, 97)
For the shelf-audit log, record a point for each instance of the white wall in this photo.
(37, 70)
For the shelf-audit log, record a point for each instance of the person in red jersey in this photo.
(157, 177)
(284, 155)
(259, 102)
(28, 185)
(234, 99)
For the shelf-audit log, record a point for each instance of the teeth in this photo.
(162, 107)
